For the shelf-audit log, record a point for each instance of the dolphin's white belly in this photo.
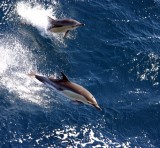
(60, 29)
(74, 96)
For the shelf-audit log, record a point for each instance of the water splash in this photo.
(16, 61)
(35, 15)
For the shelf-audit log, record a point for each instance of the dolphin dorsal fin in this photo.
(64, 77)
(51, 20)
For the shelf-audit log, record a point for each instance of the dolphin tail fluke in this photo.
(31, 74)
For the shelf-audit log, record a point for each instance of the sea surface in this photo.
(116, 56)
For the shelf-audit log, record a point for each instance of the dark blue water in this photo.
(116, 56)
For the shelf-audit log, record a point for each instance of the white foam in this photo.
(16, 62)
(35, 15)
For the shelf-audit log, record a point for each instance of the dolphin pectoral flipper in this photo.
(66, 33)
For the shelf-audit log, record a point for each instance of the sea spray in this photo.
(36, 15)
(16, 61)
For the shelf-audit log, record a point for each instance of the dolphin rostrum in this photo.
(63, 25)
(69, 89)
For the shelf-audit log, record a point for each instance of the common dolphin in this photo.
(69, 89)
(63, 25)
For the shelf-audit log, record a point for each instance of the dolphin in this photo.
(69, 89)
(63, 25)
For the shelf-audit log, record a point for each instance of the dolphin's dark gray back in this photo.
(61, 22)
(47, 82)
(41, 78)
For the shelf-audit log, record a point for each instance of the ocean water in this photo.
(116, 56)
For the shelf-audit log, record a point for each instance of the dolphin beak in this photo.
(80, 24)
(98, 107)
